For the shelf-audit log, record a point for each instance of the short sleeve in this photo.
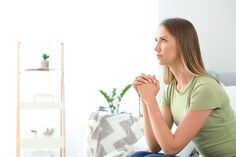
(165, 102)
(205, 96)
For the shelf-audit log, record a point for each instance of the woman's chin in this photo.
(160, 62)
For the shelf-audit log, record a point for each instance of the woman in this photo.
(193, 100)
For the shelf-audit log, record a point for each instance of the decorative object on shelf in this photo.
(49, 132)
(34, 133)
(45, 62)
(113, 99)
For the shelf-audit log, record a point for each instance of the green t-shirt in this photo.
(217, 137)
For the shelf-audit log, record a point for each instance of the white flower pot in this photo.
(45, 64)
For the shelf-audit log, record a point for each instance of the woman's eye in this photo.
(162, 39)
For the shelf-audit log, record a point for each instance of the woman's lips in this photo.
(159, 56)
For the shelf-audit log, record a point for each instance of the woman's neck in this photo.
(182, 77)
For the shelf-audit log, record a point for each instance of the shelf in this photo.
(40, 69)
(42, 105)
(42, 142)
(40, 99)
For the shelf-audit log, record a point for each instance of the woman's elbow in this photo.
(154, 148)
(171, 150)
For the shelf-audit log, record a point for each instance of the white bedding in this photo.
(231, 91)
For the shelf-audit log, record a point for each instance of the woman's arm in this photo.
(187, 129)
(148, 130)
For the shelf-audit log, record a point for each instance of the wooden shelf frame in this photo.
(39, 143)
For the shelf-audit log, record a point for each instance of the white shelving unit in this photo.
(45, 109)
(42, 143)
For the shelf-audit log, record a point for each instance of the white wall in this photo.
(215, 23)
(107, 43)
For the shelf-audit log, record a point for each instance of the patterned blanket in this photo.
(113, 135)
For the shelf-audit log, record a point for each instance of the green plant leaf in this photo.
(114, 98)
(113, 92)
(45, 56)
(127, 87)
(106, 96)
(119, 98)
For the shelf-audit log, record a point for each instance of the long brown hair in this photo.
(188, 46)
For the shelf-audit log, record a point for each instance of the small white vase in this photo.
(45, 64)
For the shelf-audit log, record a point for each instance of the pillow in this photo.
(228, 79)
(113, 135)
(231, 91)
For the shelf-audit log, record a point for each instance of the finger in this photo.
(141, 79)
(135, 83)
(157, 83)
(150, 79)
(154, 79)
(135, 88)
(144, 76)
(154, 76)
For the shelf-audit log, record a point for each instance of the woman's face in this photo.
(166, 47)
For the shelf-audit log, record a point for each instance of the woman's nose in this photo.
(157, 47)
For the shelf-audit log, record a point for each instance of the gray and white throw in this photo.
(113, 135)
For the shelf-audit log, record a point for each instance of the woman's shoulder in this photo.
(204, 80)
(206, 83)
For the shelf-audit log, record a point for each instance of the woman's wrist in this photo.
(149, 101)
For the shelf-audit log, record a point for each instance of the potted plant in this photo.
(45, 62)
(114, 99)
(49, 132)
(34, 133)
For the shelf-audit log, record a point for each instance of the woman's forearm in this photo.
(148, 132)
(161, 130)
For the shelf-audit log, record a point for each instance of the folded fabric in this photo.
(112, 134)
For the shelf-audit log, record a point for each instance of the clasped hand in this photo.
(147, 87)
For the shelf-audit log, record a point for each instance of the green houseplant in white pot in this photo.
(45, 61)
(113, 99)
